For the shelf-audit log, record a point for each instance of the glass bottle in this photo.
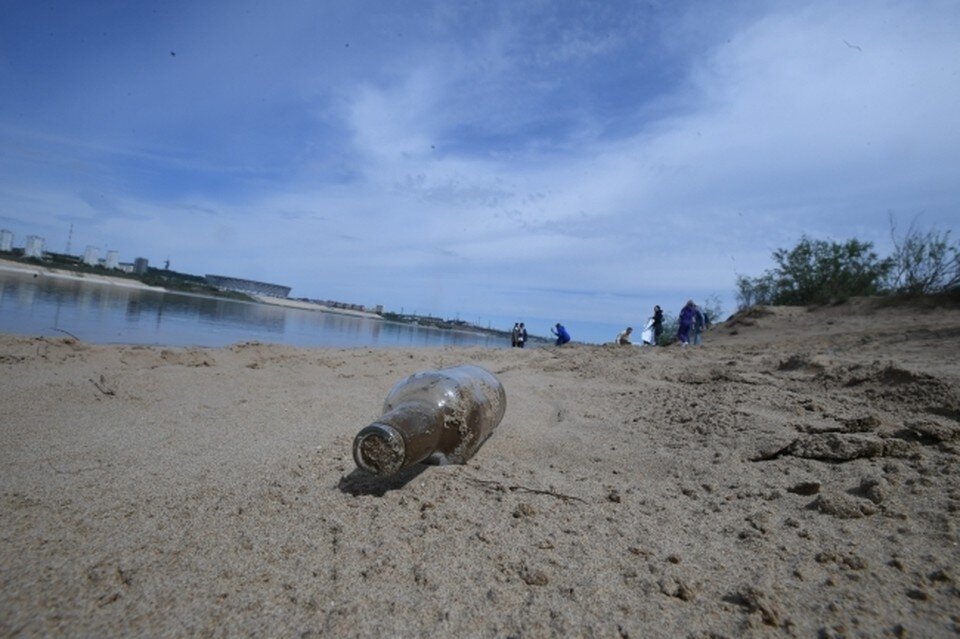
(440, 416)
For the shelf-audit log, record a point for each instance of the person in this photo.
(699, 324)
(515, 334)
(686, 323)
(562, 335)
(646, 337)
(522, 335)
(657, 324)
(624, 337)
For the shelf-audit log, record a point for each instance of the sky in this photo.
(490, 161)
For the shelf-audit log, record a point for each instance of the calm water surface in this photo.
(106, 314)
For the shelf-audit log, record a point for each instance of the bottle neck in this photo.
(404, 436)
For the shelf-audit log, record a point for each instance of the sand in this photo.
(796, 476)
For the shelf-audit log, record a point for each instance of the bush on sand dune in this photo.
(820, 272)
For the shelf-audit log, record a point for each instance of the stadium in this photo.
(247, 286)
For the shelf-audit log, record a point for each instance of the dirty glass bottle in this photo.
(440, 417)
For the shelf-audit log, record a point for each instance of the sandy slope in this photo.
(796, 476)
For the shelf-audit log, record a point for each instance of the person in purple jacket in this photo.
(687, 316)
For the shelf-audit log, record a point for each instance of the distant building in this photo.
(6, 240)
(91, 256)
(113, 260)
(140, 266)
(240, 285)
(34, 247)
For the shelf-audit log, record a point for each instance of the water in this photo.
(105, 314)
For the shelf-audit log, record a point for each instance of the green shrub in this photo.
(816, 272)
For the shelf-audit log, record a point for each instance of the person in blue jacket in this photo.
(562, 335)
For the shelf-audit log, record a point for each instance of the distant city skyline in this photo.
(91, 257)
(89, 254)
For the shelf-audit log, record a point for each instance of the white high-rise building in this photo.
(113, 259)
(91, 257)
(34, 247)
(6, 240)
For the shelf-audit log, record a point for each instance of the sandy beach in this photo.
(796, 476)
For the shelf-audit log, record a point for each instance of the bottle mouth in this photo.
(379, 449)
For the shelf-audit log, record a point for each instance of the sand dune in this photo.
(796, 476)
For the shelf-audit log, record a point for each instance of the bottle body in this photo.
(441, 416)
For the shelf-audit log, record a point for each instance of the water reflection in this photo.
(112, 314)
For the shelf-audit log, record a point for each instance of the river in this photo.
(102, 313)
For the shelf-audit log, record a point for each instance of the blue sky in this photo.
(494, 161)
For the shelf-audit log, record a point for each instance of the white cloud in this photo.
(485, 152)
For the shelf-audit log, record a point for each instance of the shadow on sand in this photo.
(360, 482)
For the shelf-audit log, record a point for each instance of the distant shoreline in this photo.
(46, 271)
(108, 280)
(311, 306)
